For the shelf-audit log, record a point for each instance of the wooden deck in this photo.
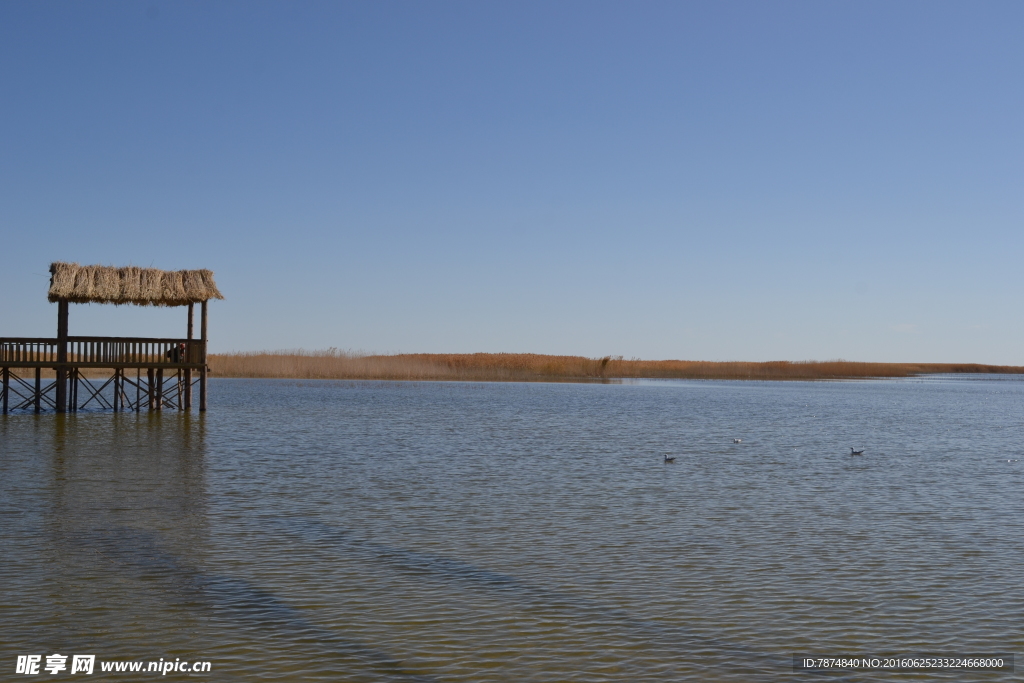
(163, 373)
(102, 352)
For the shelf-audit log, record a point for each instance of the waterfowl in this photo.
(853, 452)
(669, 460)
(737, 440)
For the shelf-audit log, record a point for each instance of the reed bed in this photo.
(531, 367)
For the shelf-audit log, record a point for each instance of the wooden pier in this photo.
(150, 373)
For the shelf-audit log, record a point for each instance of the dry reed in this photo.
(505, 367)
(130, 285)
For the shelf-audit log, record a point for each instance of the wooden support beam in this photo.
(205, 371)
(117, 388)
(150, 389)
(179, 380)
(7, 387)
(188, 372)
(159, 388)
(39, 388)
(62, 355)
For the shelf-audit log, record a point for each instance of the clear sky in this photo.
(713, 180)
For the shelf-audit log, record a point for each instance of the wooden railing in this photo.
(103, 352)
(27, 350)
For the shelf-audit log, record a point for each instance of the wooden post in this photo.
(159, 388)
(39, 388)
(204, 371)
(73, 390)
(117, 388)
(7, 384)
(62, 354)
(150, 389)
(188, 359)
(138, 399)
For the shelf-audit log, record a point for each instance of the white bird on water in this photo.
(669, 460)
(737, 440)
(853, 452)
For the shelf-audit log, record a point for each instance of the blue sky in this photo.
(721, 181)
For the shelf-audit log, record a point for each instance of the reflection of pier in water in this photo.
(114, 496)
(164, 368)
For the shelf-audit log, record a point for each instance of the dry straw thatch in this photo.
(131, 285)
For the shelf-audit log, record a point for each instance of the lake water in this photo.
(380, 531)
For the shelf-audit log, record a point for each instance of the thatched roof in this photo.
(131, 285)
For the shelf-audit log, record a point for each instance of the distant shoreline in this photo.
(529, 367)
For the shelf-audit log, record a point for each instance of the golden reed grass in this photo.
(527, 367)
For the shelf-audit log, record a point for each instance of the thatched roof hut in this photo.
(130, 285)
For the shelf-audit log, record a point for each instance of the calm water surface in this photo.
(364, 531)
